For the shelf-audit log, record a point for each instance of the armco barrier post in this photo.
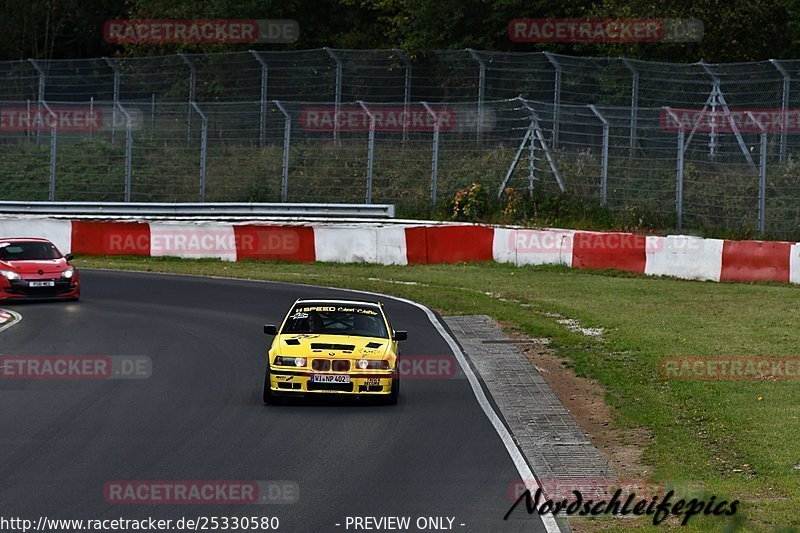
(679, 171)
(787, 79)
(762, 175)
(262, 122)
(481, 89)
(287, 139)
(128, 149)
(53, 150)
(338, 96)
(634, 104)
(435, 158)
(192, 83)
(556, 96)
(604, 164)
(115, 70)
(203, 146)
(406, 89)
(40, 97)
(370, 151)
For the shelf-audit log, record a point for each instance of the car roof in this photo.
(23, 239)
(329, 301)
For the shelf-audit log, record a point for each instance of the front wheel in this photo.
(394, 395)
(269, 396)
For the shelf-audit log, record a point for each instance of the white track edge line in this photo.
(524, 470)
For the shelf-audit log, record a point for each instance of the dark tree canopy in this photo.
(735, 30)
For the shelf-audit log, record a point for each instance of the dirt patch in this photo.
(584, 399)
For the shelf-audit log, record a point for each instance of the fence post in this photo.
(556, 97)
(634, 104)
(787, 79)
(371, 151)
(203, 144)
(287, 138)
(91, 117)
(262, 129)
(28, 128)
(338, 96)
(679, 172)
(40, 98)
(762, 176)
(128, 150)
(481, 89)
(192, 82)
(435, 158)
(115, 96)
(406, 90)
(604, 164)
(53, 150)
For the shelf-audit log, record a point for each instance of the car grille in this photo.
(21, 287)
(340, 366)
(326, 365)
(321, 365)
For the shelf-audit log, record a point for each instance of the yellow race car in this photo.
(333, 347)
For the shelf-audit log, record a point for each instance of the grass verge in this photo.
(733, 439)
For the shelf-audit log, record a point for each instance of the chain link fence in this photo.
(698, 146)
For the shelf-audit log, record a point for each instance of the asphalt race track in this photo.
(200, 417)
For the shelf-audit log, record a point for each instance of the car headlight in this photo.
(8, 274)
(68, 273)
(372, 364)
(290, 361)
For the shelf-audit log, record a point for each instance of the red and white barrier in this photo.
(675, 255)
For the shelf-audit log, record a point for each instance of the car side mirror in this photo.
(69, 257)
(400, 335)
(269, 329)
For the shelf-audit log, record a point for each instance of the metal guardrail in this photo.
(221, 209)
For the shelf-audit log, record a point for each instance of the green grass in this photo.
(716, 436)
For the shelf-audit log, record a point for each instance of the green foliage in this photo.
(736, 30)
(471, 203)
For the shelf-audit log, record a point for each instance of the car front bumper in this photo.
(21, 290)
(292, 382)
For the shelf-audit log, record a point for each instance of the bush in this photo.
(470, 204)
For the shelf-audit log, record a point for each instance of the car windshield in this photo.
(336, 319)
(27, 251)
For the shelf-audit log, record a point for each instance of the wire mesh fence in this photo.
(698, 146)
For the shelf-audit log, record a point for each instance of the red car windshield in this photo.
(27, 251)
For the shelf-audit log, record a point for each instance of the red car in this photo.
(35, 269)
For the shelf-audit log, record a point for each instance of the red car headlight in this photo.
(9, 275)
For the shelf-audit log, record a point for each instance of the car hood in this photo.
(331, 346)
(47, 266)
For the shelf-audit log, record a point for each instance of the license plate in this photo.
(329, 378)
(41, 283)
